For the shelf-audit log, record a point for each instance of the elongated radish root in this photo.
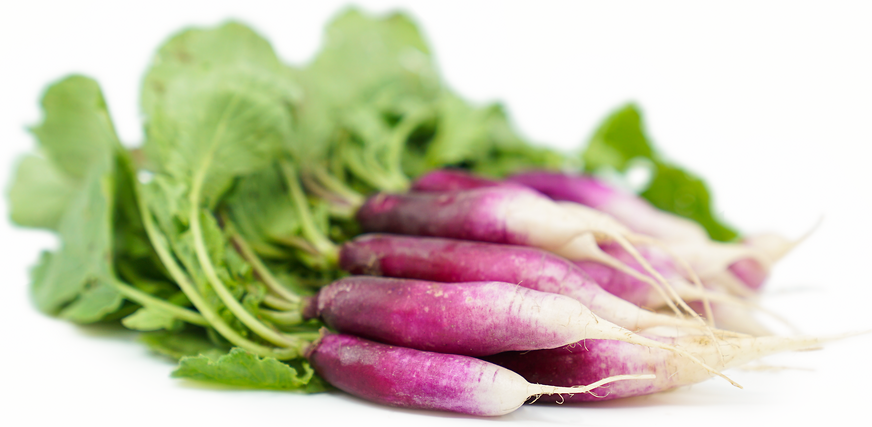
(494, 214)
(636, 213)
(740, 319)
(748, 264)
(450, 260)
(728, 311)
(596, 359)
(472, 318)
(583, 247)
(408, 378)
(630, 287)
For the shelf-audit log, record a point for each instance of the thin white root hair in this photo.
(656, 344)
(627, 246)
(692, 295)
(691, 274)
(613, 262)
(771, 257)
(548, 389)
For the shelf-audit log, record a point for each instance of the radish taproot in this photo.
(596, 359)
(746, 264)
(450, 260)
(409, 378)
(507, 214)
(727, 311)
(472, 318)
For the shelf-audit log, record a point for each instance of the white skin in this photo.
(689, 241)
(572, 230)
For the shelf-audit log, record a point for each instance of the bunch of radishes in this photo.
(549, 275)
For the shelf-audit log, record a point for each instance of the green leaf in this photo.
(75, 136)
(150, 319)
(617, 141)
(243, 369)
(369, 74)
(39, 193)
(81, 269)
(365, 58)
(261, 207)
(194, 53)
(621, 139)
(462, 133)
(675, 190)
(217, 105)
(98, 299)
(76, 132)
(184, 343)
(227, 125)
(78, 139)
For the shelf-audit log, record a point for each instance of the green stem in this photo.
(278, 303)
(297, 242)
(330, 182)
(259, 267)
(292, 317)
(370, 175)
(309, 229)
(218, 286)
(160, 243)
(269, 251)
(401, 134)
(152, 302)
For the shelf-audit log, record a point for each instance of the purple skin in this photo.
(596, 194)
(473, 319)
(572, 188)
(750, 272)
(442, 180)
(407, 378)
(589, 359)
(623, 285)
(592, 359)
(449, 260)
(470, 215)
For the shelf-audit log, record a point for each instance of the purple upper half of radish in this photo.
(450, 260)
(408, 378)
(474, 318)
(442, 180)
(491, 214)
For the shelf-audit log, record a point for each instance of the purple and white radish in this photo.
(472, 318)
(743, 264)
(503, 214)
(442, 180)
(403, 377)
(451, 260)
(727, 311)
(596, 359)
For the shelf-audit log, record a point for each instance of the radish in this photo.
(441, 180)
(449, 260)
(473, 318)
(740, 267)
(580, 362)
(507, 214)
(408, 378)
(727, 311)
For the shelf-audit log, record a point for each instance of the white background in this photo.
(771, 103)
